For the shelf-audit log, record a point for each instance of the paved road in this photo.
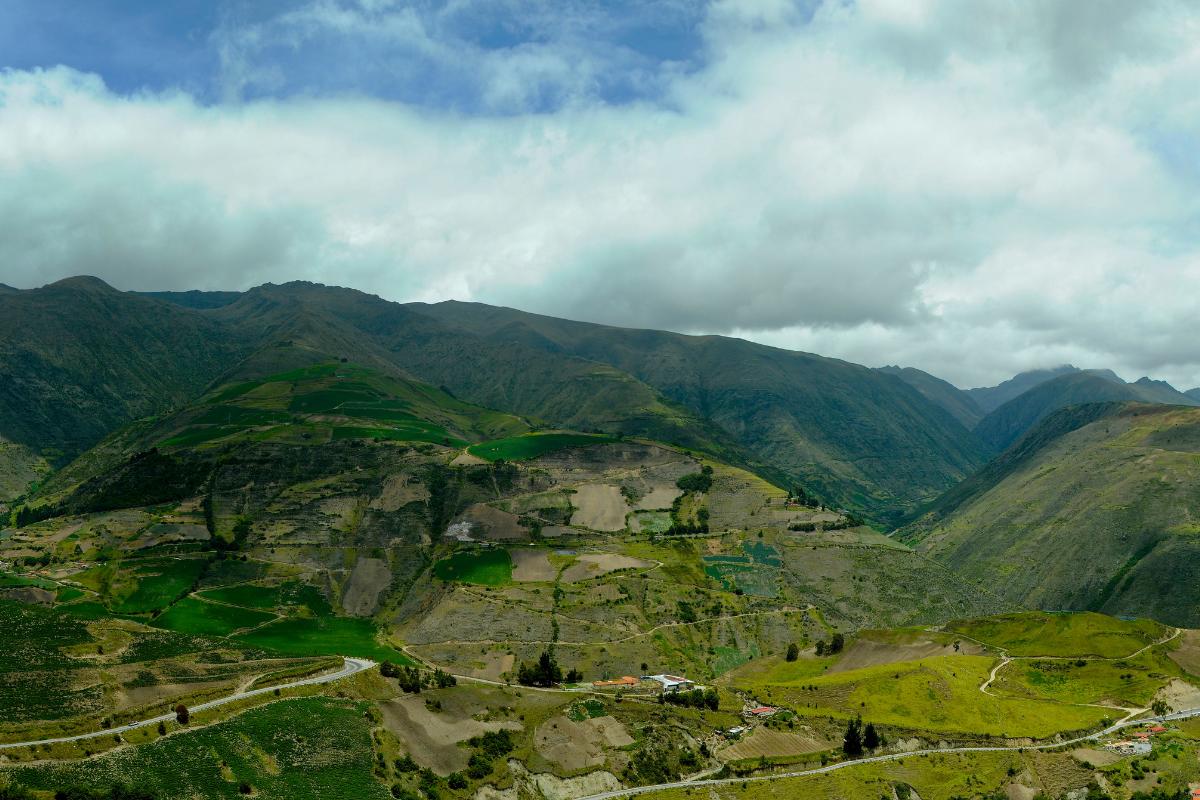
(1192, 712)
(348, 668)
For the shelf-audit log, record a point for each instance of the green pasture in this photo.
(190, 615)
(487, 567)
(520, 448)
(1036, 633)
(939, 694)
(322, 636)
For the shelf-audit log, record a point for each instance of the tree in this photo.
(837, 643)
(1160, 707)
(181, 714)
(820, 647)
(162, 729)
(852, 743)
(546, 672)
(793, 651)
(870, 737)
(456, 781)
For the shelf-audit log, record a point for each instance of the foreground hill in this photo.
(1009, 422)
(1093, 509)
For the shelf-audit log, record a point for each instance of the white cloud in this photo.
(971, 189)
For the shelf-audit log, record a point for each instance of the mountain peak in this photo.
(86, 283)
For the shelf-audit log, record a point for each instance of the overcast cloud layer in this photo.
(969, 188)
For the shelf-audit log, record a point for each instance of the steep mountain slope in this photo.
(960, 404)
(1193, 393)
(989, 398)
(1093, 509)
(856, 436)
(1009, 422)
(853, 436)
(78, 359)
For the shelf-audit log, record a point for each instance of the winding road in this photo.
(350, 666)
(1192, 712)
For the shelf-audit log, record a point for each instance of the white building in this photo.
(671, 683)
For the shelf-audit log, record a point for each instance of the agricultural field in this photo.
(311, 747)
(190, 615)
(1064, 634)
(939, 694)
(533, 445)
(491, 567)
(322, 636)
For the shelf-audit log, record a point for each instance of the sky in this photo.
(973, 189)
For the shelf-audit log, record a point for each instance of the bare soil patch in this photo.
(599, 507)
(869, 653)
(1187, 655)
(368, 581)
(432, 738)
(766, 742)
(465, 459)
(593, 565)
(1097, 758)
(658, 498)
(492, 523)
(398, 491)
(575, 745)
(1180, 694)
(532, 565)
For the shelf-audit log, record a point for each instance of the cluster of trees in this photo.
(793, 652)
(411, 680)
(696, 481)
(803, 498)
(696, 698)
(859, 738)
(835, 645)
(489, 747)
(546, 672)
(680, 526)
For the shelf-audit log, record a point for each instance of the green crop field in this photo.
(307, 747)
(284, 596)
(190, 615)
(520, 448)
(322, 636)
(158, 583)
(487, 567)
(35, 675)
(939, 694)
(1036, 633)
(238, 415)
(416, 432)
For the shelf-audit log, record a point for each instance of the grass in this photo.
(288, 596)
(158, 584)
(486, 567)
(322, 636)
(1133, 682)
(194, 436)
(306, 747)
(521, 448)
(190, 615)
(939, 694)
(417, 432)
(1037, 633)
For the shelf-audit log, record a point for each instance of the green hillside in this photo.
(855, 436)
(1093, 509)
(958, 403)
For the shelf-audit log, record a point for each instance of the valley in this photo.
(321, 573)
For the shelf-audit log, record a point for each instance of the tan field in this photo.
(599, 507)
(532, 566)
(865, 652)
(770, 743)
(576, 745)
(593, 565)
(432, 738)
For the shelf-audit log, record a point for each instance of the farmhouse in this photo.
(1130, 748)
(762, 711)
(671, 683)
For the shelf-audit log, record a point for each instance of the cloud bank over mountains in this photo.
(972, 189)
